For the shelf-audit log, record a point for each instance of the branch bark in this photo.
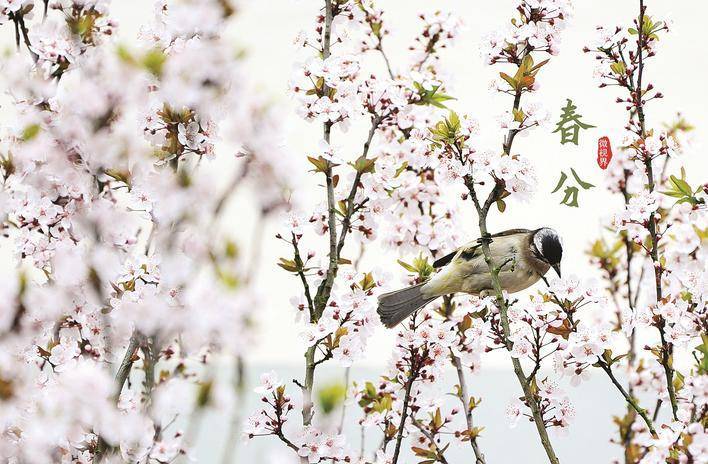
(482, 212)
(404, 415)
(464, 393)
(322, 296)
(630, 400)
(465, 399)
(20, 26)
(666, 348)
(127, 362)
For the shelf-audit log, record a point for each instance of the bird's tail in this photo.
(398, 305)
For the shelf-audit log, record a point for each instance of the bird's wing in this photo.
(470, 250)
(467, 250)
(511, 232)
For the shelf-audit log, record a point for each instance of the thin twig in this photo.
(666, 348)
(20, 23)
(464, 393)
(404, 415)
(440, 457)
(465, 399)
(630, 400)
(322, 296)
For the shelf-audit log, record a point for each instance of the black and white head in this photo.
(549, 247)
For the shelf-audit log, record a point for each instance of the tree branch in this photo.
(127, 362)
(404, 414)
(482, 212)
(441, 457)
(465, 399)
(322, 296)
(20, 26)
(630, 400)
(666, 348)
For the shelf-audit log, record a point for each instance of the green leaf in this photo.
(618, 68)
(30, 132)
(536, 68)
(368, 282)
(124, 54)
(673, 193)
(331, 396)
(204, 393)
(437, 419)
(320, 164)
(678, 381)
(288, 264)
(364, 165)
(474, 402)
(526, 65)
(510, 80)
(432, 96)
(407, 266)
(231, 249)
(403, 167)
(681, 185)
(453, 121)
(703, 349)
(154, 61)
(370, 389)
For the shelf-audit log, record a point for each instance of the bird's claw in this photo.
(486, 238)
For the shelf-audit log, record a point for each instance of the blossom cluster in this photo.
(661, 227)
(311, 444)
(555, 407)
(347, 322)
(117, 275)
(537, 28)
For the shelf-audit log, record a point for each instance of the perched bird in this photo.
(524, 256)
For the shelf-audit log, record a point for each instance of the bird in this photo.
(524, 256)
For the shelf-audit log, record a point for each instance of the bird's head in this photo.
(549, 247)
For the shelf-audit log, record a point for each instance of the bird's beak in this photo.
(557, 268)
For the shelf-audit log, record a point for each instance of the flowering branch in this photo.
(522, 82)
(628, 73)
(605, 360)
(463, 394)
(510, 174)
(413, 374)
(630, 400)
(667, 349)
(494, 270)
